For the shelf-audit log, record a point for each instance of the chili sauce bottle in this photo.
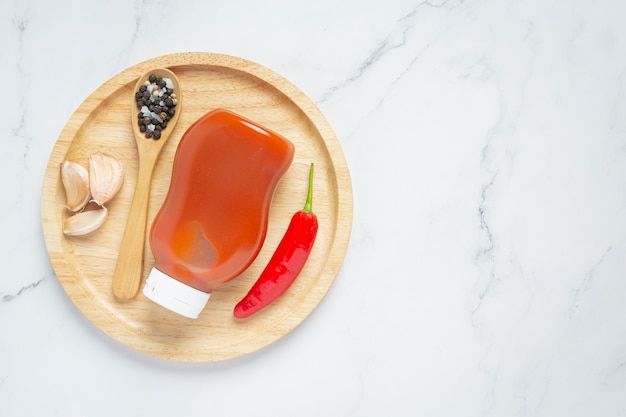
(214, 218)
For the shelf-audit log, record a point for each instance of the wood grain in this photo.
(127, 277)
(85, 265)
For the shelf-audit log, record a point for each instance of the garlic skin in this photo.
(75, 179)
(106, 177)
(84, 222)
(100, 184)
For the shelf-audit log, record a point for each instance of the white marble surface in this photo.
(487, 145)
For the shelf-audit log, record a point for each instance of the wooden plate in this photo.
(85, 265)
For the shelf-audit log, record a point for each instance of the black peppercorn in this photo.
(158, 102)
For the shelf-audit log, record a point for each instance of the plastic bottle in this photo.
(214, 218)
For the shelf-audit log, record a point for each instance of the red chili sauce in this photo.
(213, 221)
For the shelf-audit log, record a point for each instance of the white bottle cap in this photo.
(174, 295)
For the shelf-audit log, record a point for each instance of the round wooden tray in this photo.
(85, 265)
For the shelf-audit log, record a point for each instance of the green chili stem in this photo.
(309, 198)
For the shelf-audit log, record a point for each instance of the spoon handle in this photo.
(129, 268)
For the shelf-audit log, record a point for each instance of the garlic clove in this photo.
(106, 176)
(75, 179)
(84, 222)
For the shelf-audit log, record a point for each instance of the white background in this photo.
(486, 140)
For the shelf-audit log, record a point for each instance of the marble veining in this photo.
(11, 297)
(486, 141)
(585, 285)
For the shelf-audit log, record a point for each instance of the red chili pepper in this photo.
(286, 262)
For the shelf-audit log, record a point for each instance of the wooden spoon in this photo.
(129, 269)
